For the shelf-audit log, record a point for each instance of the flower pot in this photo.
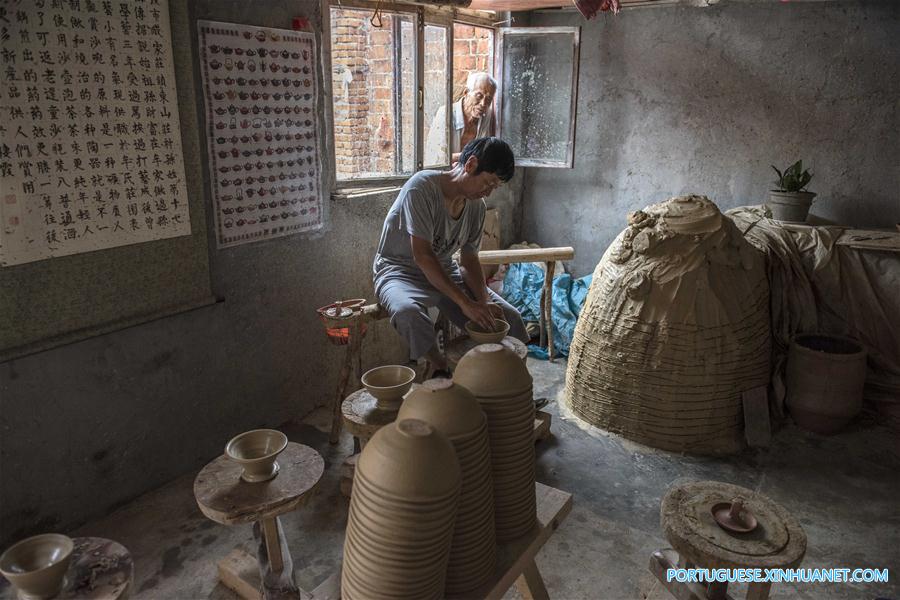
(790, 207)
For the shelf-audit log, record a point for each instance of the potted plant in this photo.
(790, 203)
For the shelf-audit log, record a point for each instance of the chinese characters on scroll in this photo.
(90, 145)
(262, 125)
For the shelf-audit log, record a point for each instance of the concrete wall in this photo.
(88, 426)
(674, 100)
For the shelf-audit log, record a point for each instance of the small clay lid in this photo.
(412, 459)
(493, 371)
(449, 407)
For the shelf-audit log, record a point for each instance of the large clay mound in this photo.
(674, 329)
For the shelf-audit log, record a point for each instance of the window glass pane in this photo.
(373, 94)
(539, 125)
(436, 71)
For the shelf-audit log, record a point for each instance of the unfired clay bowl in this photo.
(412, 460)
(37, 565)
(450, 408)
(493, 371)
(256, 451)
(482, 336)
(388, 384)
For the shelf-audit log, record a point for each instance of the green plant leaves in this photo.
(794, 178)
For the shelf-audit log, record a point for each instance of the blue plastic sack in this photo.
(522, 288)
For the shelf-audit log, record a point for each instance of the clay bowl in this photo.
(402, 459)
(510, 411)
(493, 371)
(397, 553)
(354, 587)
(388, 384)
(398, 527)
(473, 559)
(256, 451)
(507, 473)
(390, 574)
(364, 576)
(482, 336)
(409, 530)
(448, 407)
(506, 516)
(412, 525)
(37, 565)
(398, 503)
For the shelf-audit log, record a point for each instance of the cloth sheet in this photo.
(820, 286)
(522, 287)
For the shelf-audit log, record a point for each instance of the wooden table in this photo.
(100, 569)
(548, 256)
(225, 498)
(515, 559)
(698, 541)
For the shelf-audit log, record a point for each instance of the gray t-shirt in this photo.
(419, 210)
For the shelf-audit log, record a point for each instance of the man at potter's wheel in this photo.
(436, 214)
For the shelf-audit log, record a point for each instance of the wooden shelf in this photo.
(515, 560)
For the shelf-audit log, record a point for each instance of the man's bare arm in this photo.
(426, 260)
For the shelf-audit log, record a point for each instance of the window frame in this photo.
(438, 16)
(499, 63)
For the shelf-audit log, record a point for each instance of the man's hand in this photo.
(480, 312)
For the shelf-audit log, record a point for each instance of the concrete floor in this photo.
(843, 489)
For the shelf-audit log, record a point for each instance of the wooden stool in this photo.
(100, 569)
(227, 499)
(362, 418)
(777, 542)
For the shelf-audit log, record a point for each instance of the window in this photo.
(539, 126)
(373, 90)
(393, 87)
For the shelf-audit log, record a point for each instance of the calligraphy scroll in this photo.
(90, 145)
(261, 100)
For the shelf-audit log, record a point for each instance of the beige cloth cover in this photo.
(674, 329)
(819, 285)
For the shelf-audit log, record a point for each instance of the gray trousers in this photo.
(408, 296)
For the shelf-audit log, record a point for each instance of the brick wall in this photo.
(363, 84)
(473, 50)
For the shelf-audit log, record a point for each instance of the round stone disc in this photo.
(687, 520)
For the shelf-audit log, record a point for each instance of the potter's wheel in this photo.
(688, 515)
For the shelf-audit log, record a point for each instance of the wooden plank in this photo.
(553, 506)
(663, 560)
(757, 428)
(541, 425)
(239, 572)
(499, 257)
(513, 558)
(330, 589)
(531, 584)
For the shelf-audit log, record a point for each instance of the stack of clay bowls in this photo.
(402, 511)
(501, 383)
(454, 411)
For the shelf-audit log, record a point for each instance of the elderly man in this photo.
(472, 118)
(436, 214)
